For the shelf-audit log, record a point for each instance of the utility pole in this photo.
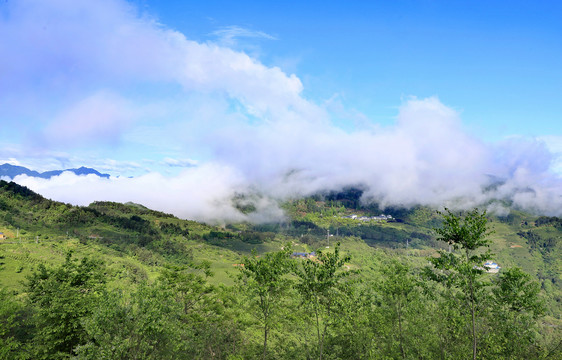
(328, 237)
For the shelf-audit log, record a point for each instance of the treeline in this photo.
(539, 242)
(19, 191)
(107, 222)
(281, 308)
(549, 220)
(24, 207)
(110, 207)
(223, 238)
(287, 307)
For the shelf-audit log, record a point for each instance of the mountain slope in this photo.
(152, 239)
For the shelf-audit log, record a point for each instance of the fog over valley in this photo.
(184, 124)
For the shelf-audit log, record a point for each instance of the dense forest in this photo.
(332, 281)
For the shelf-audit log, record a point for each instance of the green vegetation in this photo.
(463, 271)
(120, 281)
(266, 284)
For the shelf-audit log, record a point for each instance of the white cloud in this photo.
(98, 72)
(204, 193)
(101, 117)
(241, 39)
(179, 162)
(426, 158)
(70, 51)
(11, 161)
(201, 193)
(554, 145)
(228, 34)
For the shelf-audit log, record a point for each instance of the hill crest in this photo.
(11, 171)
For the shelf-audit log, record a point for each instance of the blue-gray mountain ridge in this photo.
(12, 171)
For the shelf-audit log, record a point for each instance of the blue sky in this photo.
(418, 101)
(496, 61)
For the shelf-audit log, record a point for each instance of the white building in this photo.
(491, 267)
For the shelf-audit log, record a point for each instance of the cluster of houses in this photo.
(381, 217)
(490, 267)
(303, 255)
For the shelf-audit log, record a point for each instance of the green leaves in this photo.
(266, 282)
(63, 296)
(469, 235)
(144, 325)
(468, 232)
(319, 280)
(513, 301)
(322, 289)
(12, 325)
(516, 291)
(463, 271)
(281, 307)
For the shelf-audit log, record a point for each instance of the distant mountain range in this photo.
(12, 171)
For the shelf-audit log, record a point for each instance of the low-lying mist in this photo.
(426, 158)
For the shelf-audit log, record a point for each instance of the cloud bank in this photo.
(426, 158)
(100, 75)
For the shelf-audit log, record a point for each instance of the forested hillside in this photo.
(336, 280)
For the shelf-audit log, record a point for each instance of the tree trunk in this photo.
(473, 330)
(322, 342)
(317, 322)
(400, 331)
(265, 332)
(473, 313)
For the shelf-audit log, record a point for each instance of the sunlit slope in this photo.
(136, 242)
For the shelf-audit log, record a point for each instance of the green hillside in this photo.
(131, 256)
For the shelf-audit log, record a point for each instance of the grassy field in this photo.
(19, 259)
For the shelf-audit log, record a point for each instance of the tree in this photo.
(142, 325)
(397, 288)
(207, 312)
(63, 297)
(517, 307)
(321, 286)
(463, 271)
(13, 326)
(264, 278)
(517, 292)
(189, 284)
